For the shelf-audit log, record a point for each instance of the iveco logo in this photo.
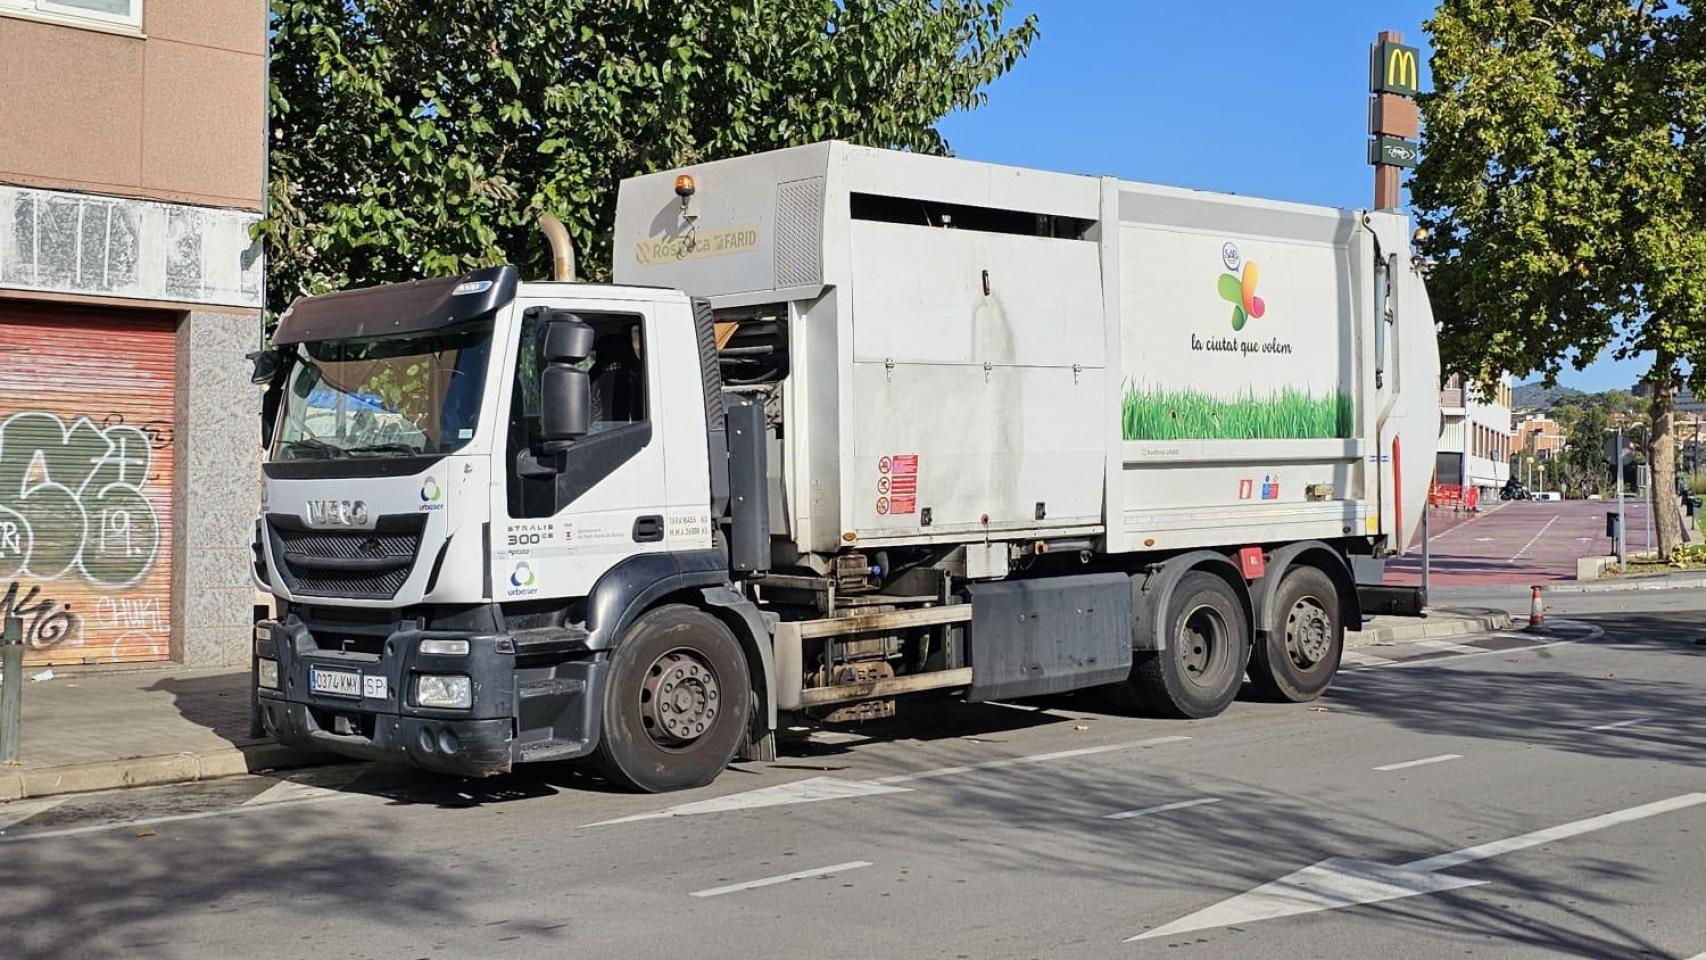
(337, 513)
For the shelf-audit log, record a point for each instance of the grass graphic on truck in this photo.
(1286, 414)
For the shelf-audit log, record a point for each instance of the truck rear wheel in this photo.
(1301, 655)
(1208, 643)
(676, 702)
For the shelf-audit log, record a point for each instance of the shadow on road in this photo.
(122, 894)
(1555, 708)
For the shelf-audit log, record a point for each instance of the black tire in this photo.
(1208, 644)
(676, 702)
(1301, 656)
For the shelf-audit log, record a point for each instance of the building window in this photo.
(127, 13)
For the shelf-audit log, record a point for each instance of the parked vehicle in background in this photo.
(854, 425)
(1513, 490)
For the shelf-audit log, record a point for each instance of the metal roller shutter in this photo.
(86, 462)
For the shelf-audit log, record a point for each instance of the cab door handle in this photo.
(648, 529)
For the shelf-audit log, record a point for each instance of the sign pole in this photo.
(1394, 79)
(11, 689)
(1427, 551)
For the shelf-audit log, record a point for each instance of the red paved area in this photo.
(1517, 543)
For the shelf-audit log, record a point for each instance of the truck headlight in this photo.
(443, 692)
(266, 673)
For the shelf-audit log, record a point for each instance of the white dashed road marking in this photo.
(1341, 882)
(784, 878)
(1525, 547)
(1163, 808)
(815, 789)
(18, 811)
(175, 818)
(1417, 763)
(1034, 758)
(1618, 725)
(1450, 646)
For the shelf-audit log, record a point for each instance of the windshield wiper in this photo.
(326, 450)
(407, 450)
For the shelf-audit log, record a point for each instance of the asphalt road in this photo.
(1505, 796)
(1518, 543)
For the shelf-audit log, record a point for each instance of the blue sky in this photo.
(1265, 98)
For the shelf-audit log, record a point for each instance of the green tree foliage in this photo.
(417, 137)
(1562, 185)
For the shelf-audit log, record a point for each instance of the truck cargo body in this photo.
(1053, 356)
(853, 425)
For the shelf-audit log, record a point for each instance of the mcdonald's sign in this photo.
(1395, 68)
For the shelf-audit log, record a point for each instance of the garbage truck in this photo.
(850, 426)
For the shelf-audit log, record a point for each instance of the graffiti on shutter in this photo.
(85, 487)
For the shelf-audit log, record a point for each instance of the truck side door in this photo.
(557, 532)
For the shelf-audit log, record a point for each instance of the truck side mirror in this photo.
(566, 339)
(565, 390)
(272, 368)
(267, 363)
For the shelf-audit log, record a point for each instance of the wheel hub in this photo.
(1199, 642)
(679, 698)
(1308, 633)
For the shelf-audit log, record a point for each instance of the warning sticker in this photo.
(897, 484)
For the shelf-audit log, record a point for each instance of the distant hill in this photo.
(1536, 396)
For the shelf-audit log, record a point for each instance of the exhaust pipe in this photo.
(562, 249)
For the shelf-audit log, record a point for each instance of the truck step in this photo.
(549, 641)
(550, 687)
(537, 751)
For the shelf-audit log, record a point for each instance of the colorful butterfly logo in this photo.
(522, 575)
(1241, 293)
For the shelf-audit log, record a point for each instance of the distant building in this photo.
(1687, 404)
(1475, 445)
(1539, 436)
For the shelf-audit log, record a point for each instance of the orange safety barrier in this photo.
(1454, 496)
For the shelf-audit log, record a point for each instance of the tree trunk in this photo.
(1667, 511)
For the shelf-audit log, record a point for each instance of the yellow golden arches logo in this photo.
(1401, 68)
(1395, 68)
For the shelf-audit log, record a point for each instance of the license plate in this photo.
(340, 683)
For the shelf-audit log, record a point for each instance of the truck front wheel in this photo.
(1301, 655)
(1208, 643)
(676, 701)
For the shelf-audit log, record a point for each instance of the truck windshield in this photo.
(401, 396)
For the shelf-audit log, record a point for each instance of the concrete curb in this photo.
(1437, 625)
(21, 784)
(1660, 582)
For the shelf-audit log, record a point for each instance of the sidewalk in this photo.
(1682, 580)
(100, 730)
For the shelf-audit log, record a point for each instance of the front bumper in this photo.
(518, 712)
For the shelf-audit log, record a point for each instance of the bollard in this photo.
(1536, 609)
(11, 689)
